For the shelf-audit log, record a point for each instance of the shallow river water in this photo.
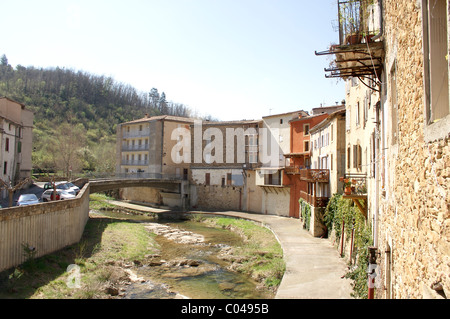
(208, 278)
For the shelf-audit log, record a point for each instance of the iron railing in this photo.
(353, 16)
(313, 200)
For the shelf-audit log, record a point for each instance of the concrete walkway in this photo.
(314, 269)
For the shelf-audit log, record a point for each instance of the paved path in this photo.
(314, 269)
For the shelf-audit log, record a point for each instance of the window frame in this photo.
(439, 129)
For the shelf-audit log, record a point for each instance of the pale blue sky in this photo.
(232, 59)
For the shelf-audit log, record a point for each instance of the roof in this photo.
(160, 118)
(307, 117)
(241, 122)
(7, 98)
(287, 113)
(327, 120)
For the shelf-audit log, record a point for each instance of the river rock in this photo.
(177, 235)
(226, 286)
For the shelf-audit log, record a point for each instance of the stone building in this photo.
(405, 62)
(222, 155)
(413, 233)
(144, 149)
(16, 125)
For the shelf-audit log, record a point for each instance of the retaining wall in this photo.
(47, 227)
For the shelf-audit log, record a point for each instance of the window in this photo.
(207, 178)
(357, 157)
(7, 145)
(140, 128)
(435, 59)
(347, 119)
(306, 129)
(306, 149)
(228, 178)
(5, 168)
(273, 179)
(252, 148)
(394, 105)
(348, 157)
(357, 114)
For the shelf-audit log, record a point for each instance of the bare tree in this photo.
(11, 189)
(65, 148)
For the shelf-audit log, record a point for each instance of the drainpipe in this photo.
(380, 34)
(342, 239)
(371, 273)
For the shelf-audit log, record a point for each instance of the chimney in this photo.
(146, 115)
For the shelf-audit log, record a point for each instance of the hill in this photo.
(86, 105)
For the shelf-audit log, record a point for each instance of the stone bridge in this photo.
(167, 185)
(175, 190)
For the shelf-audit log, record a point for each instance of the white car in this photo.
(73, 187)
(60, 195)
(27, 199)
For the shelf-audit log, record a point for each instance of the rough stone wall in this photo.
(414, 214)
(218, 198)
(142, 194)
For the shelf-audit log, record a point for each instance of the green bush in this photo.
(305, 212)
(338, 211)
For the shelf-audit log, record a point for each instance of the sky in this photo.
(231, 59)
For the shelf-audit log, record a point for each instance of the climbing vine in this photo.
(305, 210)
(337, 212)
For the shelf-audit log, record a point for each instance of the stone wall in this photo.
(214, 197)
(414, 222)
(44, 227)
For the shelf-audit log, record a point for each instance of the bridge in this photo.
(168, 185)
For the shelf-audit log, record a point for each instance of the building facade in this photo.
(413, 236)
(298, 161)
(16, 125)
(404, 62)
(144, 150)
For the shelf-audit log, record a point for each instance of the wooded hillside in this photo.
(88, 107)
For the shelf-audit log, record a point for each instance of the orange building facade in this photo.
(298, 161)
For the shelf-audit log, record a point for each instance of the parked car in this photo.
(62, 186)
(27, 199)
(60, 195)
(73, 187)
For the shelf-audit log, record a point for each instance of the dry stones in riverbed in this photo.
(177, 235)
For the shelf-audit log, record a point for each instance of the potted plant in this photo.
(347, 185)
(352, 20)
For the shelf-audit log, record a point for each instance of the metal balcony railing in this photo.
(358, 183)
(135, 163)
(313, 200)
(132, 148)
(315, 175)
(136, 133)
(353, 17)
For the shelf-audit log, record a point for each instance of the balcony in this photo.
(357, 191)
(135, 148)
(135, 163)
(358, 53)
(136, 133)
(315, 175)
(313, 200)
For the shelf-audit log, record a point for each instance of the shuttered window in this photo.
(436, 59)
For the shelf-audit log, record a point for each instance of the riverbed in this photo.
(189, 263)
